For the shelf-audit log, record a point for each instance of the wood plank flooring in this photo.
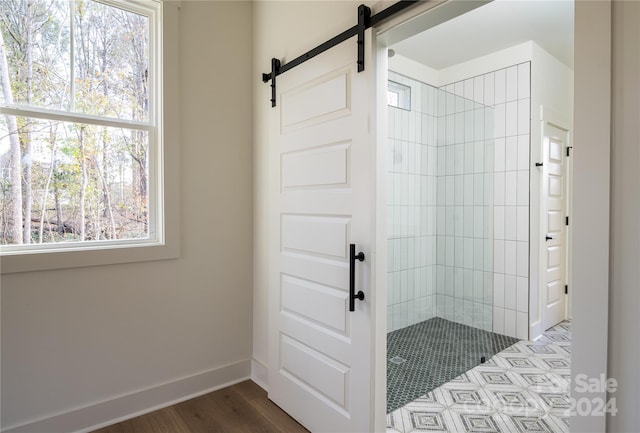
(240, 408)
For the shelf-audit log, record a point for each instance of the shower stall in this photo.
(444, 210)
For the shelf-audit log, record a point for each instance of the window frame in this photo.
(162, 127)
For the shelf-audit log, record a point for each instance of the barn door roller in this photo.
(365, 20)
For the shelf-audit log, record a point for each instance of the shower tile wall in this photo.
(464, 270)
(458, 215)
(411, 209)
(511, 102)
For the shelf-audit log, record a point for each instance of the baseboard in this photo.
(260, 373)
(94, 416)
(535, 331)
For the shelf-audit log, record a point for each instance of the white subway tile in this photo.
(468, 157)
(478, 254)
(442, 161)
(489, 124)
(524, 116)
(404, 253)
(510, 294)
(498, 256)
(522, 326)
(458, 282)
(523, 152)
(510, 257)
(522, 259)
(510, 223)
(468, 284)
(460, 103)
(468, 189)
(478, 286)
(458, 88)
(510, 323)
(498, 290)
(469, 120)
(478, 189)
(478, 124)
(489, 89)
(512, 83)
(459, 127)
(511, 119)
(499, 179)
(450, 160)
(439, 279)
(450, 133)
(523, 188)
(458, 221)
(478, 157)
(499, 114)
(499, 154)
(404, 164)
(500, 86)
(511, 153)
(468, 221)
(449, 251)
(468, 253)
(488, 287)
(489, 159)
(441, 218)
(524, 80)
(440, 255)
(450, 183)
(404, 286)
(478, 89)
(478, 221)
(498, 320)
(458, 158)
(522, 294)
(441, 136)
(488, 189)
(510, 198)
(458, 251)
(523, 223)
(498, 222)
(468, 89)
(448, 281)
(441, 104)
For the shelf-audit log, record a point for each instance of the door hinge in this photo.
(566, 289)
(569, 150)
(566, 221)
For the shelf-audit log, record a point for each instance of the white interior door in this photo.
(555, 140)
(322, 157)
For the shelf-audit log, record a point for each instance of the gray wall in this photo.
(624, 278)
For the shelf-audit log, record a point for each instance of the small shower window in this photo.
(399, 95)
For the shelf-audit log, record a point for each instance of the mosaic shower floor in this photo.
(423, 356)
(524, 388)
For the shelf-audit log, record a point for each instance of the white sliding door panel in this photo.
(322, 160)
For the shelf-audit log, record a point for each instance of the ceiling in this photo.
(498, 25)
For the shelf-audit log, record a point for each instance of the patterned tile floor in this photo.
(524, 388)
(432, 353)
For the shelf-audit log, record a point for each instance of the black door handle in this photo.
(352, 277)
(547, 238)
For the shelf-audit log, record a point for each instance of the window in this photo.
(398, 95)
(80, 125)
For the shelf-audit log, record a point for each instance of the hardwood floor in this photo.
(240, 408)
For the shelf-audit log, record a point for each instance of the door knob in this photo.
(547, 238)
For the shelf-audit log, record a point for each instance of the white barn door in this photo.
(321, 201)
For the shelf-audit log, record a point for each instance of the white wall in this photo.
(122, 338)
(624, 302)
